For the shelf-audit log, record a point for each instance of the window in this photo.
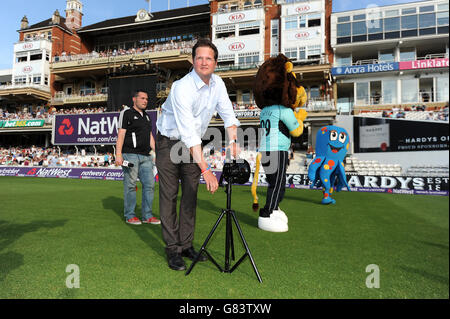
(88, 87)
(359, 17)
(427, 9)
(427, 20)
(302, 22)
(36, 57)
(36, 79)
(314, 92)
(246, 97)
(49, 35)
(249, 28)
(407, 54)
(343, 19)
(409, 22)
(410, 91)
(344, 60)
(362, 93)
(291, 53)
(22, 59)
(386, 56)
(20, 80)
(392, 24)
(443, 7)
(375, 26)
(442, 89)
(344, 30)
(442, 18)
(291, 23)
(46, 80)
(389, 91)
(314, 50)
(314, 20)
(302, 53)
(359, 28)
(391, 13)
(248, 58)
(409, 11)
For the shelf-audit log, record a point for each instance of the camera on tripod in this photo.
(236, 172)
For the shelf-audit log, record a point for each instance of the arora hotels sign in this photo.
(366, 68)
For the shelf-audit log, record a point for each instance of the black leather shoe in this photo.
(191, 254)
(175, 261)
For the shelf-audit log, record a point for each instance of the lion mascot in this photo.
(279, 95)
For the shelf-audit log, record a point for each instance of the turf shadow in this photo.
(149, 234)
(12, 232)
(433, 277)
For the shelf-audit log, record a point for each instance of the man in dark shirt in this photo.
(133, 146)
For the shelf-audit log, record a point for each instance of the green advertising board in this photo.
(22, 123)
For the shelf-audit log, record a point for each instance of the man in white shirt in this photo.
(185, 117)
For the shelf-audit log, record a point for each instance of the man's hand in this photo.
(119, 159)
(211, 181)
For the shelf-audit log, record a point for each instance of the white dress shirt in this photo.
(188, 110)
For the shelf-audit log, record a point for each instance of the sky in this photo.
(95, 11)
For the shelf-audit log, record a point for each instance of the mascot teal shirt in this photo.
(277, 121)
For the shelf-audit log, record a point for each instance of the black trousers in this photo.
(175, 164)
(275, 165)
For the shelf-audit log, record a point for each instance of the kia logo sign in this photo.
(27, 46)
(302, 35)
(236, 46)
(236, 17)
(302, 9)
(27, 69)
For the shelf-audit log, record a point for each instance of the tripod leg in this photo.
(202, 249)
(246, 248)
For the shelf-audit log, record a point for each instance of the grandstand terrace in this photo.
(128, 46)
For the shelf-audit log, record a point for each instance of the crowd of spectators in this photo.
(432, 115)
(46, 113)
(51, 157)
(246, 106)
(171, 45)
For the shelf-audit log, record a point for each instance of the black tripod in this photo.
(229, 245)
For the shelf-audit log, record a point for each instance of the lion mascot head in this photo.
(276, 84)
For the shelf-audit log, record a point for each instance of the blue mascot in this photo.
(327, 169)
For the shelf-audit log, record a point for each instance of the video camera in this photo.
(235, 171)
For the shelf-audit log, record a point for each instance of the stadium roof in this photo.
(46, 24)
(176, 15)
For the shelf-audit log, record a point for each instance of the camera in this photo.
(127, 164)
(236, 171)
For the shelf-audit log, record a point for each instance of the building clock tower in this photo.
(74, 14)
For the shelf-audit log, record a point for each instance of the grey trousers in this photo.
(177, 231)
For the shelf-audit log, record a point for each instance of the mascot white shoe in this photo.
(272, 224)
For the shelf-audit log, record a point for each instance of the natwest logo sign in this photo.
(236, 17)
(302, 35)
(65, 128)
(236, 46)
(302, 9)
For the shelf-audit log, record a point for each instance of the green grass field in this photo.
(48, 224)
